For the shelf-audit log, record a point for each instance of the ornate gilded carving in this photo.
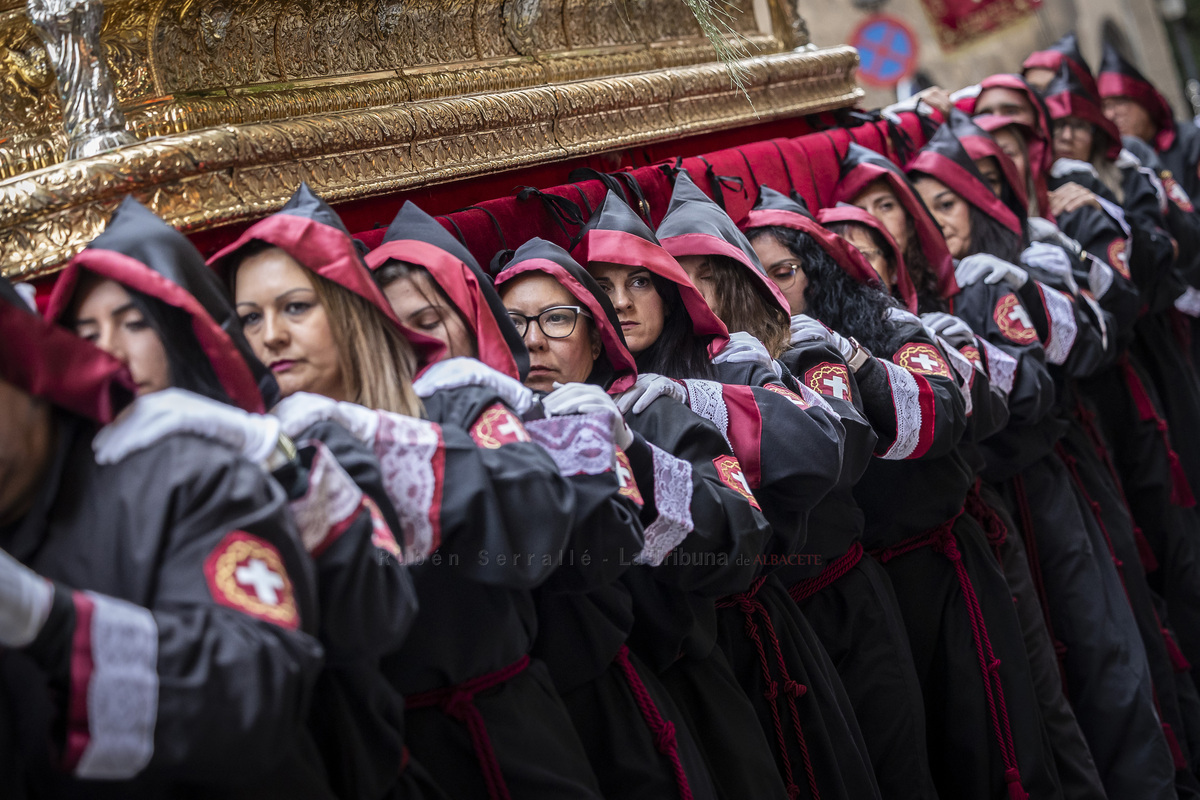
(70, 32)
(232, 173)
(245, 99)
(520, 24)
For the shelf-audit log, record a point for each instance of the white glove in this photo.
(25, 600)
(28, 294)
(897, 314)
(990, 270)
(1052, 259)
(807, 329)
(949, 327)
(648, 388)
(743, 348)
(153, 417)
(584, 398)
(300, 411)
(1042, 230)
(461, 371)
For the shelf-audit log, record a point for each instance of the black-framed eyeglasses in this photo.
(1073, 124)
(555, 323)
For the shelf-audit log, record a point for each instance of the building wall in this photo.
(832, 22)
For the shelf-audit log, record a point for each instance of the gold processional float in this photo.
(211, 112)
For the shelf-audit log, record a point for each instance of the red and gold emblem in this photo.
(923, 359)
(791, 396)
(830, 379)
(247, 573)
(381, 533)
(1013, 320)
(498, 426)
(629, 487)
(971, 353)
(1178, 196)
(732, 476)
(1118, 257)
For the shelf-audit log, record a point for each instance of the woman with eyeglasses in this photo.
(432, 281)
(1073, 545)
(820, 736)
(480, 715)
(922, 536)
(703, 530)
(664, 316)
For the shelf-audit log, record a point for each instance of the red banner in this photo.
(958, 22)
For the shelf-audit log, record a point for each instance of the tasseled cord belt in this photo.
(458, 702)
(942, 540)
(662, 730)
(754, 610)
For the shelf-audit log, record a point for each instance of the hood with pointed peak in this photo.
(945, 159)
(1119, 78)
(312, 233)
(1067, 96)
(615, 369)
(416, 238)
(696, 226)
(1066, 50)
(142, 252)
(616, 235)
(860, 168)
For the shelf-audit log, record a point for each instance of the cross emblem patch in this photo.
(923, 359)
(832, 380)
(629, 487)
(498, 426)
(247, 573)
(731, 474)
(1014, 322)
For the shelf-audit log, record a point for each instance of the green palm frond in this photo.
(714, 18)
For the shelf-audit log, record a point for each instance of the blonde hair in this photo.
(378, 363)
(742, 307)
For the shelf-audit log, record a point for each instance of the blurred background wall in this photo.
(1156, 35)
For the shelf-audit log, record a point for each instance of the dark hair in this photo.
(189, 364)
(677, 352)
(843, 227)
(924, 279)
(832, 295)
(395, 269)
(989, 235)
(742, 306)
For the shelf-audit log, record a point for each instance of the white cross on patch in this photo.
(741, 479)
(623, 475)
(926, 363)
(265, 582)
(511, 428)
(836, 386)
(1018, 314)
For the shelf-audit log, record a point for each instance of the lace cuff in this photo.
(673, 499)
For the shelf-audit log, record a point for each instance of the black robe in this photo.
(846, 594)
(1010, 350)
(968, 741)
(584, 618)
(506, 516)
(771, 646)
(699, 553)
(178, 656)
